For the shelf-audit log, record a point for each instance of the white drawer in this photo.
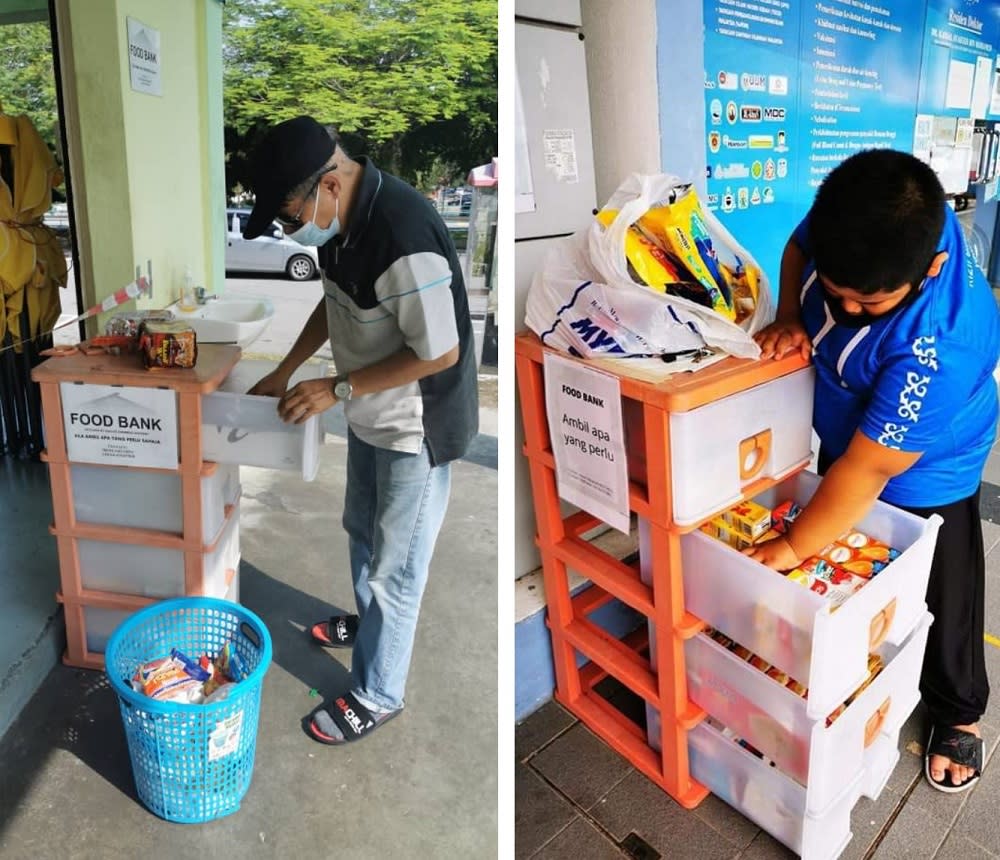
(794, 628)
(718, 449)
(773, 719)
(128, 568)
(150, 500)
(245, 429)
(772, 800)
(99, 623)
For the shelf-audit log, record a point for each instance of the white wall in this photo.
(624, 95)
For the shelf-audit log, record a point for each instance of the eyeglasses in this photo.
(295, 222)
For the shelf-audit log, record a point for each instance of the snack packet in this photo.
(750, 518)
(860, 554)
(680, 228)
(834, 583)
(784, 515)
(648, 263)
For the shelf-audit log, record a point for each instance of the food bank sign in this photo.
(120, 426)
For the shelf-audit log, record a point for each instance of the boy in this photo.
(877, 284)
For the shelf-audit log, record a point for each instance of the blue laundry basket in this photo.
(191, 763)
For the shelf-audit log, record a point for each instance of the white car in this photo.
(271, 252)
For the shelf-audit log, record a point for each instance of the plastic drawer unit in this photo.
(769, 797)
(150, 500)
(245, 429)
(772, 718)
(152, 571)
(799, 631)
(718, 449)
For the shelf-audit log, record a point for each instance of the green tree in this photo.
(407, 82)
(27, 79)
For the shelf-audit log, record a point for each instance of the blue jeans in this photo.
(393, 509)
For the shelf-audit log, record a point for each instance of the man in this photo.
(396, 315)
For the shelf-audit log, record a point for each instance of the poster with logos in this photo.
(792, 88)
(751, 91)
(960, 58)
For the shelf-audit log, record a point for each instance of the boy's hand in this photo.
(781, 337)
(777, 554)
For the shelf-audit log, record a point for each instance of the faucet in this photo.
(202, 297)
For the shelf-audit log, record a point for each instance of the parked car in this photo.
(271, 252)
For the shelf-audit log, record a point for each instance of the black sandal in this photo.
(960, 747)
(353, 719)
(337, 632)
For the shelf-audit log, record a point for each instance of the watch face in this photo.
(342, 390)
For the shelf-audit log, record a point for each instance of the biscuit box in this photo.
(749, 518)
(721, 530)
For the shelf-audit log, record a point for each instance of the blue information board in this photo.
(959, 58)
(815, 82)
(751, 97)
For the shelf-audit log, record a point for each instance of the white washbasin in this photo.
(237, 320)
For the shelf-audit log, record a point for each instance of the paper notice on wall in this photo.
(588, 441)
(144, 58)
(995, 97)
(120, 426)
(964, 132)
(958, 91)
(981, 88)
(559, 148)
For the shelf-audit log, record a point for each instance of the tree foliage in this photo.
(410, 82)
(27, 79)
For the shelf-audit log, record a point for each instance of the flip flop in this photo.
(353, 719)
(337, 632)
(960, 747)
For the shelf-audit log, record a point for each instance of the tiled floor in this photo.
(576, 799)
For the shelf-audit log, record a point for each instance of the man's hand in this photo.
(308, 398)
(777, 554)
(272, 385)
(781, 337)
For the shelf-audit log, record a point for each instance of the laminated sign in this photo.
(120, 426)
(585, 425)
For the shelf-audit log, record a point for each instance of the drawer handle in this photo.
(754, 451)
(880, 625)
(876, 721)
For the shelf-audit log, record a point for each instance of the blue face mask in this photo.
(310, 234)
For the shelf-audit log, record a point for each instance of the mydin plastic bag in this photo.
(698, 287)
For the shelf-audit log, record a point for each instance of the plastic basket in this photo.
(191, 763)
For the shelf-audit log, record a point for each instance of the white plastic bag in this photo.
(583, 301)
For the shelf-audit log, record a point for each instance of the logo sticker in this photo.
(750, 113)
(728, 80)
(731, 112)
(753, 83)
(715, 111)
(777, 85)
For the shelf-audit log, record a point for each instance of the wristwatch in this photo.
(342, 387)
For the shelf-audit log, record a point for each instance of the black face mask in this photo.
(842, 317)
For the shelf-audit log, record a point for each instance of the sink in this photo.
(237, 320)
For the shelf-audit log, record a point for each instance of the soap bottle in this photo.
(188, 302)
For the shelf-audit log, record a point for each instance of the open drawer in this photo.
(772, 800)
(773, 718)
(798, 630)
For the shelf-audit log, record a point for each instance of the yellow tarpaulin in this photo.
(32, 265)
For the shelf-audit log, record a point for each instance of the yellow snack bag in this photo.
(648, 263)
(680, 227)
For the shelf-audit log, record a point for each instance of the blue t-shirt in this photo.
(919, 378)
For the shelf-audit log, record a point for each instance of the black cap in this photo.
(287, 155)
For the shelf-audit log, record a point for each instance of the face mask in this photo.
(847, 320)
(310, 234)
